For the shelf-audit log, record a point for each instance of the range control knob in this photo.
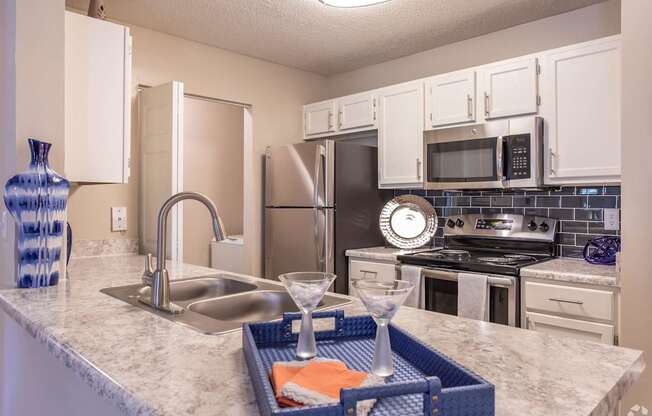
(450, 223)
(459, 223)
(532, 226)
(544, 227)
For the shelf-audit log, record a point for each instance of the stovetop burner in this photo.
(473, 260)
(497, 260)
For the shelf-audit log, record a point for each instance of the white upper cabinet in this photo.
(581, 111)
(97, 100)
(450, 98)
(400, 135)
(357, 112)
(508, 88)
(318, 118)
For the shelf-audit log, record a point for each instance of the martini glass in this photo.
(307, 289)
(382, 300)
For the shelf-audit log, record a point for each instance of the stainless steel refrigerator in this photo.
(321, 198)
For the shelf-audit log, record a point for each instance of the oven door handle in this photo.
(452, 276)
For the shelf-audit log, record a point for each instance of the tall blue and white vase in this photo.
(37, 200)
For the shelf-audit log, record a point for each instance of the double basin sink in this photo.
(220, 303)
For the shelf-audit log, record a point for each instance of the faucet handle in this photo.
(149, 270)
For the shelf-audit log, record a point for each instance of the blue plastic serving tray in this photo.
(425, 381)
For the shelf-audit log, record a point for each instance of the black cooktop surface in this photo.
(474, 260)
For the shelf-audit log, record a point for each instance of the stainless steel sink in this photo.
(256, 306)
(183, 291)
(221, 303)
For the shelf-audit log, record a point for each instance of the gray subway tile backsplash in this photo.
(588, 214)
(562, 213)
(480, 201)
(602, 201)
(580, 209)
(574, 202)
(548, 201)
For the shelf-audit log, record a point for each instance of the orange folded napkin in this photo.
(318, 381)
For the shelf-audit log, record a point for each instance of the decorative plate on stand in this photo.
(408, 221)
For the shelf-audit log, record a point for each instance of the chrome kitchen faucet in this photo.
(158, 278)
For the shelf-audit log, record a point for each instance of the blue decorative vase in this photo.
(37, 200)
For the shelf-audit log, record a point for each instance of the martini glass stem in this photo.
(306, 347)
(382, 364)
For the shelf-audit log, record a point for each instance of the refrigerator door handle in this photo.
(320, 241)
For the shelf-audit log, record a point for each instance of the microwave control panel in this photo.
(518, 156)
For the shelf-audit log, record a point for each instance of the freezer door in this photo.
(298, 240)
(299, 175)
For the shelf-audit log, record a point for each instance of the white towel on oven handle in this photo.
(412, 274)
(472, 296)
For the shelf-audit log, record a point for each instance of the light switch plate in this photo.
(4, 225)
(118, 218)
(611, 219)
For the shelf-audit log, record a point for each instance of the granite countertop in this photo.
(573, 271)
(534, 373)
(378, 253)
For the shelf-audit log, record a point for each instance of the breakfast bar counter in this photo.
(139, 364)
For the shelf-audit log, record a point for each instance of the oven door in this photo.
(465, 157)
(441, 295)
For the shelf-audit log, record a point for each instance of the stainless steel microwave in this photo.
(497, 154)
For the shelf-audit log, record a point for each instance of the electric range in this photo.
(496, 246)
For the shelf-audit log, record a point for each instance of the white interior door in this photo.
(161, 155)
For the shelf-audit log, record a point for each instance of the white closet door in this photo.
(161, 152)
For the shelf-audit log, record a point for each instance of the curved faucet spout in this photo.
(161, 245)
(159, 278)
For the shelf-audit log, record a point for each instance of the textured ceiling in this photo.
(309, 35)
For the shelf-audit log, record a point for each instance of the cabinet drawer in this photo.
(574, 328)
(589, 303)
(371, 270)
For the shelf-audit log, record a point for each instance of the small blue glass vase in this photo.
(37, 200)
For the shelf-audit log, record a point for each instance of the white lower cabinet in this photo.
(573, 328)
(370, 270)
(575, 311)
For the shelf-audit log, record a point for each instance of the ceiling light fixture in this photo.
(351, 3)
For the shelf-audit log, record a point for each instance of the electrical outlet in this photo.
(118, 218)
(611, 219)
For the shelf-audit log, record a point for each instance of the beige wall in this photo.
(31, 92)
(636, 309)
(275, 92)
(7, 131)
(591, 22)
(213, 165)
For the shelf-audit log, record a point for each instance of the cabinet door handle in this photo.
(339, 118)
(486, 104)
(418, 168)
(330, 120)
(551, 162)
(574, 302)
(469, 105)
(366, 272)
